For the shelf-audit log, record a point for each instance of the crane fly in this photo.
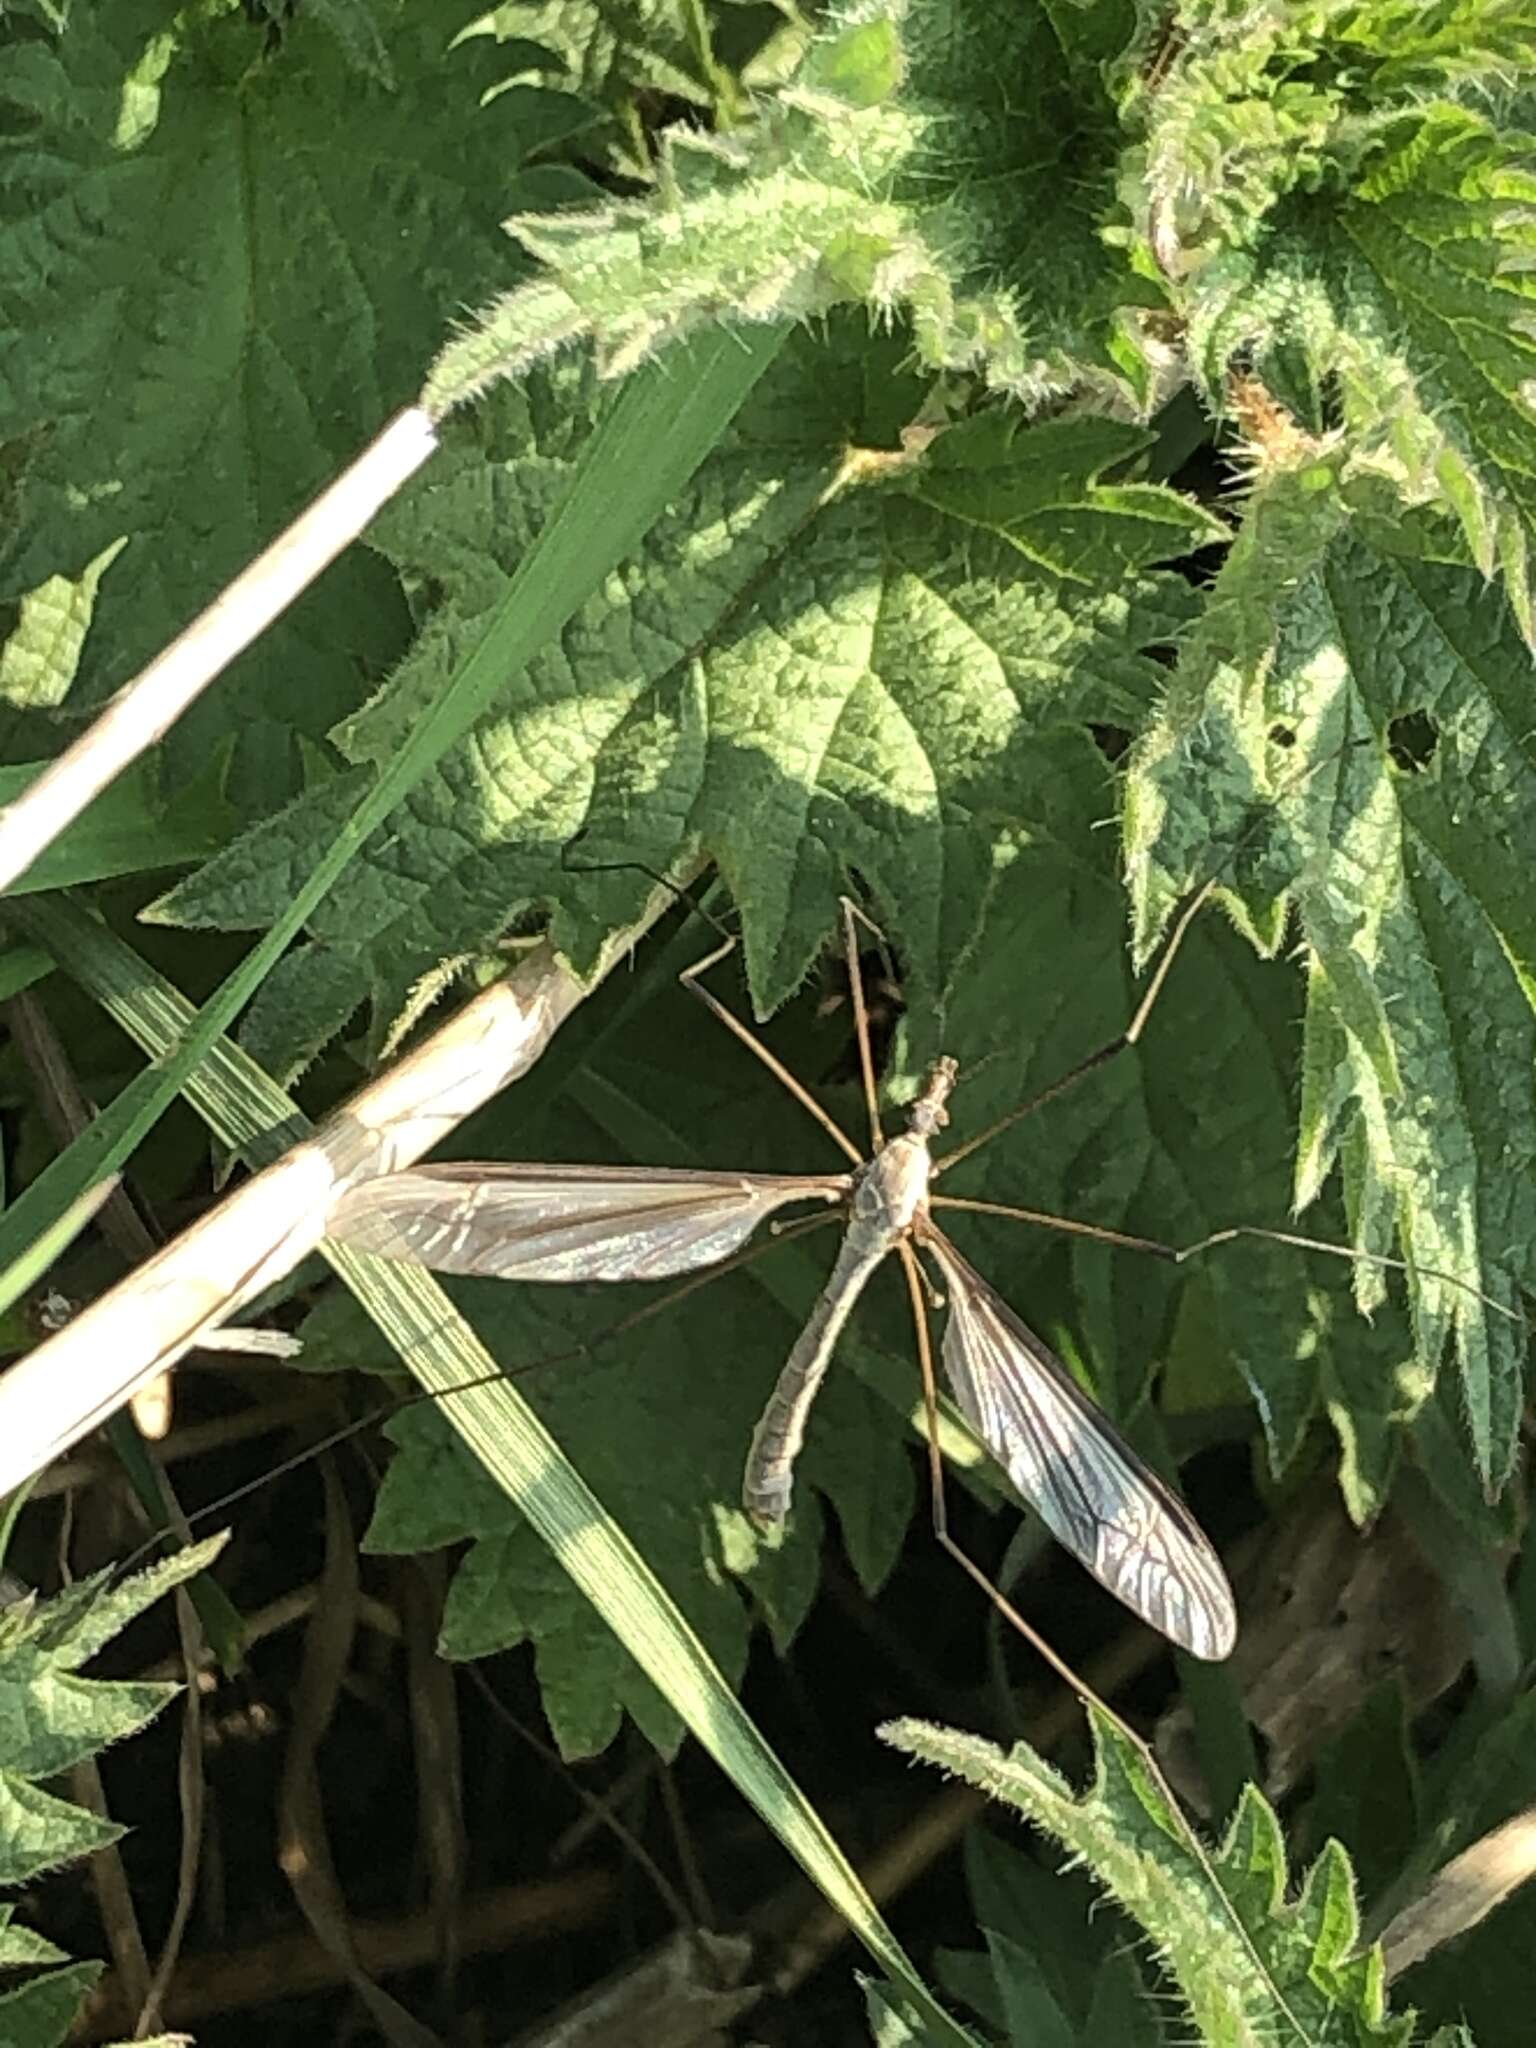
(1097, 1497)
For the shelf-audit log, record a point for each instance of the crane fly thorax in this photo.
(892, 1190)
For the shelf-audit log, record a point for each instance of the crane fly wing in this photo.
(1095, 1495)
(516, 1222)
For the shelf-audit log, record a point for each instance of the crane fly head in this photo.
(928, 1115)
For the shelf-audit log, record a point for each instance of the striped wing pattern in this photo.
(517, 1222)
(1094, 1494)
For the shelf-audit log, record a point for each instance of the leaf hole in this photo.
(1413, 738)
(1282, 736)
(1111, 740)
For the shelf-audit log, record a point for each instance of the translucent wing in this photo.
(1093, 1493)
(566, 1222)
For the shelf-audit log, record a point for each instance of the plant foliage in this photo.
(52, 1717)
(1138, 502)
(1252, 1964)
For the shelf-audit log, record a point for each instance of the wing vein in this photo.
(1099, 1499)
(567, 1223)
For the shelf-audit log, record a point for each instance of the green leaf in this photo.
(1121, 2011)
(132, 828)
(650, 437)
(1241, 116)
(1251, 1965)
(50, 1718)
(608, 50)
(42, 653)
(1333, 198)
(829, 656)
(20, 1948)
(169, 236)
(1438, 254)
(87, 1615)
(1033, 2015)
(1333, 631)
(1055, 1959)
(1368, 1789)
(952, 165)
(39, 1832)
(303, 1004)
(43, 2012)
(1017, 1894)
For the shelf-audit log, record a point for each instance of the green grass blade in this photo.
(24, 1272)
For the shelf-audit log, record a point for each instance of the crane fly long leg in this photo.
(1144, 1008)
(851, 911)
(1178, 1255)
(1382, 1260)
(1049, 1222)
(1117, 1045)
(690, 980)
(1095, 1495)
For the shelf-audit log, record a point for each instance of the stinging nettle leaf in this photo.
(829, 655)
(607, 50)
(1334, 203)
(1251, 1966)
(1410, 884)
(157, 182)
(952, 167)
(51, 1718)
